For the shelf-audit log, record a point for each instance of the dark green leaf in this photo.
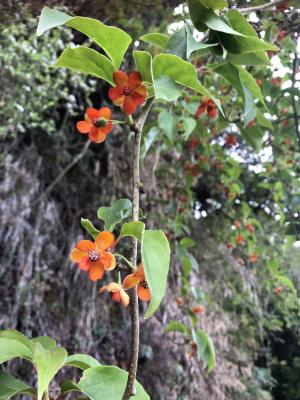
(113, 215)
(89, 227)
(10, 386)
(177, 43)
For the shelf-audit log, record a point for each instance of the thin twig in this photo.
(261, 7)
(62, 174)
(135, 323)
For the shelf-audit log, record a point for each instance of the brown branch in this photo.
(261, 7)
(130, 389)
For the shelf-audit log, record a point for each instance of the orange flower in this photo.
(180, 301)
(250, 228)
(207, 105)
(239, 239)
(97, 124)
(252, 257)
(138, 278)
(237, 224)
(117, 293)
(198, 309)
(92, 257)
(129, 92)
(278, 290)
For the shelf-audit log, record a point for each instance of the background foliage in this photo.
(200, 175)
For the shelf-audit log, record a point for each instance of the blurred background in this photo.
(50, 178)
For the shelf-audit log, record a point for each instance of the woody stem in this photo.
(132, 369)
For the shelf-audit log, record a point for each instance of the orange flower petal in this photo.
(85, 245)
(113, 287)
(84, 264)
(84, 126)
(96, 271)
(91, 113)
(108, 260)
(137, 98)
(130, 281)
(107, 128)
(105, 112)
(77, 255)
(129, 105)
(141, 90)
(134, 80)
(104, 240)
(143, 294)
(116, 296)
(120, 78)
(124, 298)
(140, 272)
(96, 135)
(103, 289)
(115, 93)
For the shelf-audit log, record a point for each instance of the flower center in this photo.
(144, 284)
(94, 255)
(126, 91)
(100, 123)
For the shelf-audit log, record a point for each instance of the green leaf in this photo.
(48, 363)
(13, 348)
(112, 40)
(205, 348)
(10, 386)
(134, 229)
(113, 215)
(186, 265)
(15, 335)
(214, 4)
(81, 361)
(204, 18)
(69, 386)
(157, 39)
(181, 72)
(187, 242)
(176, 326)
(285, 281)
(156, 259)
(189, 125)
(167, 124)
(166, 89)
(177, 43)
(107, 382)
(248, 80)
(258, 58)
(262, 120)
(231, 73)
(143, 63)
(47, 342)
(253, 136)
(193, 45)
(89, 227)
(88, 61)
(250, 110)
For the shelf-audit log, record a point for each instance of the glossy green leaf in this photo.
(204, 18)
(88, 61)
(157, 39)
(250, 109)
(231, 73)
(258, 58)
(19, 337)
(81, 361)
(242, 45)
(113, 215)
(176, 326)
(177, 43)
(48, 363)
(89, 227)
(193, 45)
(166, 89)
(112, 40)
(47, 342)
(181, 72)
(134, 229)
(12, 348)
(143, 63)
(10, 386)
(214, 4)
(107, 382)
(248, 80)
(253, 136)
(156, 260)
(167, 123)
